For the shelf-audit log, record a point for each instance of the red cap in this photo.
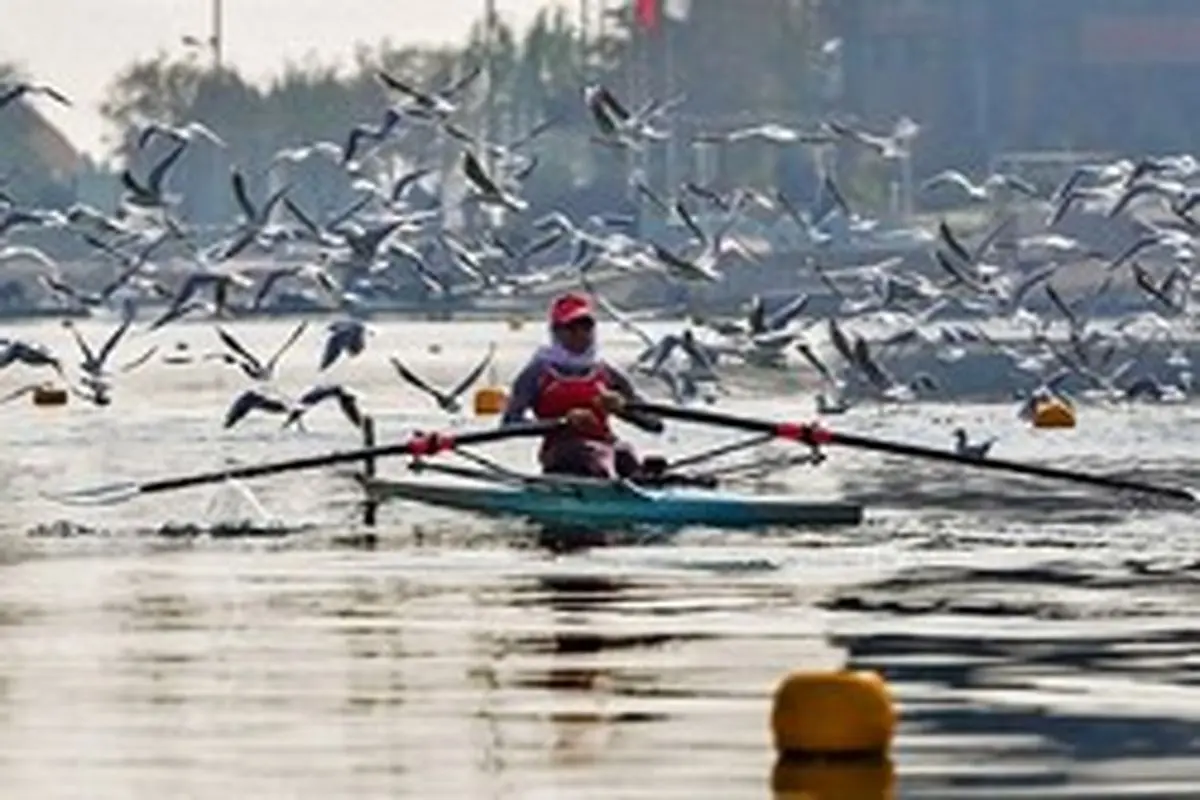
(569, 308)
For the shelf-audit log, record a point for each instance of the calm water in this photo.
(1040, 640)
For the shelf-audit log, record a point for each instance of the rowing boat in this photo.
(590, 503)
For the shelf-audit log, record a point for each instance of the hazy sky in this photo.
(78, 45)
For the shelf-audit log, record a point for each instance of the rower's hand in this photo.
(610, 401)
(580, 418)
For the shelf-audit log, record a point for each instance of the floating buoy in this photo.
(837, 713)
(49, 396)
(490, 400)
(1053, 413)
(837, 779)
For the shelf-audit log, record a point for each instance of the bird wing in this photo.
(242, 195)
(413, 379)
(400, 86)
(788, 313)
(686, 217)
(838, 198)
(250, 400)
(348, 403)
(238, 349)
(302, 217)
(621, 318)
(988, 240)
(951, 176)
(475, 174)
(88, 355)
(454, 87)
(953, 243)
(469, 379)
(1021, 185)
(408, 180)
(295, 335)
(140, 360)
(840, 342)
(115, 338)
(817, 364)
(159, 173)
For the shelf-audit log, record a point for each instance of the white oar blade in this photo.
(107, 495)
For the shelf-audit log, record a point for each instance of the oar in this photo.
(422, 444)
(816, 435)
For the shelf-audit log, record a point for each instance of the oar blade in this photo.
(108, 495)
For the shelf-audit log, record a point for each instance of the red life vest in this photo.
(559, 394)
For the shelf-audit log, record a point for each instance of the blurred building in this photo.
(986, 77)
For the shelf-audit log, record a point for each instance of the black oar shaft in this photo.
(1016, 467)
(412, 446)
(815, 434)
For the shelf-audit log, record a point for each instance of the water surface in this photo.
(1039, 638)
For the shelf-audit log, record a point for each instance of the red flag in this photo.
(646, 14)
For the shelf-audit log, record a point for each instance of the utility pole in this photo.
(585, 17)
(218, 35)
(489, 102)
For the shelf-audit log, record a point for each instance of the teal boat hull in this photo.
(588, 503)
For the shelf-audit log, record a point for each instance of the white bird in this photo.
(295, 155)
(12, 92)
(255, 368)
(981, 192)
(180, 134)
(448, 401)
(26, 253)
(892, 146)
(347, 402)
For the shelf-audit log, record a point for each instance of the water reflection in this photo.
(1033, 706)
(569, 655)
(160, 631)
(367, 614)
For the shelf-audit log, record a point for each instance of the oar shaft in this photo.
(274, 468)
(421, 444)
(814, 434)
(1016, 467)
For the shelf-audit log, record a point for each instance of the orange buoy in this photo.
(490, 400)
(836, 779)
(833, 713)
(1053, 413)
(49, 395)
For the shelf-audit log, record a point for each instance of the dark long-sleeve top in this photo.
(524, 392)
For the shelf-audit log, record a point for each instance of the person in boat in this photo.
(566, 379)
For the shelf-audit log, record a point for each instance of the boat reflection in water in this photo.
(561, 670)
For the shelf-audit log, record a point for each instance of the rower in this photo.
(566, 379)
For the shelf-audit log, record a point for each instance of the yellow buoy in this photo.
(833, 779)
(838, 713)
(49, 395)
(490, 400)
(1053, 413)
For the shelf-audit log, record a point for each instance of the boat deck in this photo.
(606, 503)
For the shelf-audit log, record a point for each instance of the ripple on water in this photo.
(1038, 638)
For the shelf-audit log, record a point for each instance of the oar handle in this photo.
(815, 434)
(421, 444)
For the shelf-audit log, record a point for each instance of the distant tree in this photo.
(25, 171)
